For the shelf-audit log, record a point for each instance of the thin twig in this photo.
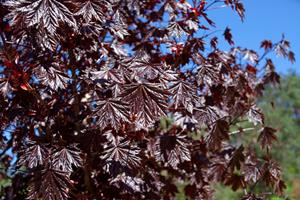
(241, 130)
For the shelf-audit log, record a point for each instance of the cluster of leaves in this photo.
(85, 84)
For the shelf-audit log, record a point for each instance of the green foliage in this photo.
(281, 106)
(226, 193)
(5, 181)
(282, 111)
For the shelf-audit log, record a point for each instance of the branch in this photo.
(211, 4)
(241, 130)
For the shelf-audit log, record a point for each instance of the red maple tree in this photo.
(124, 99)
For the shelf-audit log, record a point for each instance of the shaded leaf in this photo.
(237, 158)
(235, 181)
(266, 44)
(228, 36)
(239, 7)
(291, 57)
(271, 172)
(280, 186)
(267, 137)
(217, 135)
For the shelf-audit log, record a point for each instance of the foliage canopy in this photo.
(123, 99)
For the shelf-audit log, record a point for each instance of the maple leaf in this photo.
(250, 55)
(280, 186)
(250, 169)
(235, 181)
(190, 190)
(175, 29)
(282, 48)
(48, 12)
(112, 112)
(214, 42)
(271, 172)
(217, 135)
(63, 159)
(147, 100)
(128, 182)
(271, 77)
(291, 57)
(251, 173)
(239, 7)
(121, 150)
(5, 87)
(97, 72)
(217, 168)
(251, 69)
(266, 44)
(143, 68)
(237, 158)
(93, 10)
(208, 115)
(255, 115)
(267, 137)
(55, 185)
(192, 25)
(118, 27)
(184, 95)
(172, 150)
(52, 77)
(33, 156)
(107, 73)
(45, 14)
(228, 36)
(208, 74)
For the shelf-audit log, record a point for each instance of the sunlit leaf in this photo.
(112, 112)
(147, 100)
(63, 159)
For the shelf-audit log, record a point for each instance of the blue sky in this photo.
(265, 19)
